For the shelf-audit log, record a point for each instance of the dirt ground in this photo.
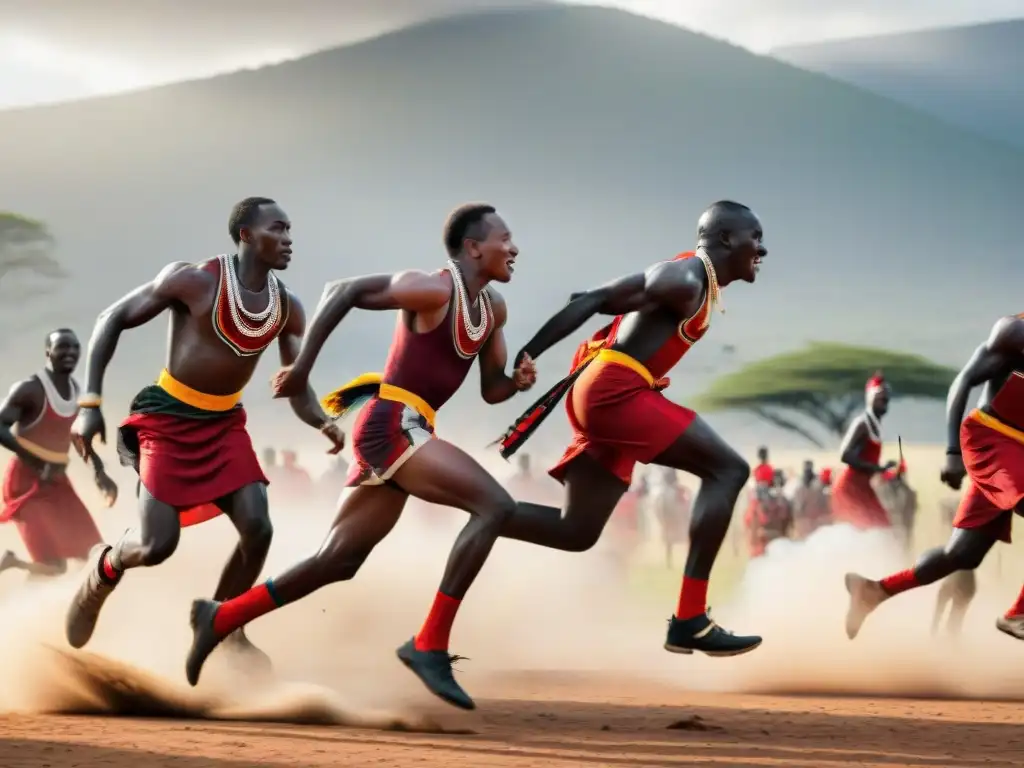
(556, 720)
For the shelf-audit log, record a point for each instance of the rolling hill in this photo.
(600, 135)
(969, 76)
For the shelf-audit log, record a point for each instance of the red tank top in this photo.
(49, 435)
(872, 451)
(689, 332)
(1008, 403)
(434, 364)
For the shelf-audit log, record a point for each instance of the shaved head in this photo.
(721, 218)
(731, 234)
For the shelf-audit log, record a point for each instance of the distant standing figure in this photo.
(672, 505)
(854, 500)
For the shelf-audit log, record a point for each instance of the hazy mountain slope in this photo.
(971, 76)
(601, 135)
(165, 41)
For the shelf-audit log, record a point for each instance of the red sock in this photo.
(899, 582)
(434, 633)
(693, 598)
(108, 570)
(239, 611)
(1018, 607)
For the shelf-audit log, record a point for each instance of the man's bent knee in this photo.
(732, 471)
(498, 510)
(157, 550)
(966, 555)
(256, 532)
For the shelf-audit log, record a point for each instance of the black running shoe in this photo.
(702, 634)
(434, 668)
(204, 639)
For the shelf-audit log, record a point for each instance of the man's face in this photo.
(63, 351)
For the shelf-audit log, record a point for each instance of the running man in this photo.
(620, 417)
(988, 447)
(446, 320)
(186, 436)
(35, 424)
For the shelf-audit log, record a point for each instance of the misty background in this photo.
(889, 208)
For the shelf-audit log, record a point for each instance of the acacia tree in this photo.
(822, 385)
(27, 244)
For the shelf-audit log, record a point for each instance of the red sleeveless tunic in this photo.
(426, 369)
(434, 364)
(665, 358)
(49, 435)
(53, 522)
(618, 414)
(854, 500)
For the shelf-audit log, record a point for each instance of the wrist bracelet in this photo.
(90, 400)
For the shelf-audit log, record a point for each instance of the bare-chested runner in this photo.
(186, 435)
(446, 320)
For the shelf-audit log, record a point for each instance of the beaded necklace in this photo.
(246, 333)
(714, 290)
(462, 323)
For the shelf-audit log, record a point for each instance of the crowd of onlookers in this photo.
(291, 482)
(655, 511)
(794, 507)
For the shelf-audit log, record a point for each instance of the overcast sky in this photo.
(51, 50)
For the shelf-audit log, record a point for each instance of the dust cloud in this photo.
(796, 599)
(531, 609)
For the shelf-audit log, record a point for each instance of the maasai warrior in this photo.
(35, 424)
(446, 320)
(620, 416)
(764, 472)
(768, 517)
(673, 504)
(186, 435)
(809, 502)
(988, 446)
(853, 499)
